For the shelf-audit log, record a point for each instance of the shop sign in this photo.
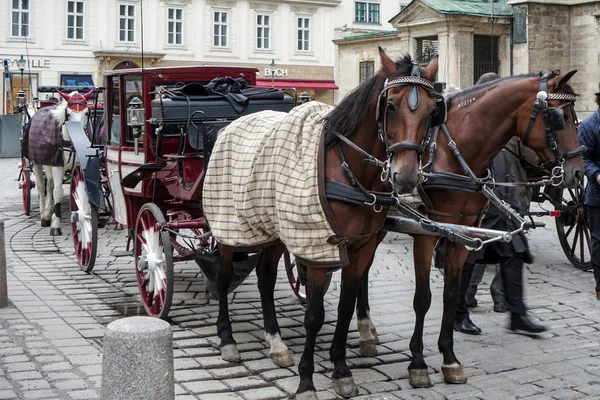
(276, 72)
(31, 63)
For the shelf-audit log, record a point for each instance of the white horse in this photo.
(49, 151)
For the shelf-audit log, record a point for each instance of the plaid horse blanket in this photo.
(262, 184)
(43, 141)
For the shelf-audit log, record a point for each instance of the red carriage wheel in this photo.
(296, 274)
(154, 261)
(25, 184)
(84, 222)
(573, 229)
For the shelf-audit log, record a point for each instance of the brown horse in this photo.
(480, 121)
(403, 91)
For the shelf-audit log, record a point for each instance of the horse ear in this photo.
(63, 95)
(387, 63)
(563, 78)
(431, 70)
(89, 94)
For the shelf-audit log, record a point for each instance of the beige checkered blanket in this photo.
(262, 183)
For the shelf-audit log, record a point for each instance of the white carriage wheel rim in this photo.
(154, 276)
(84, 214)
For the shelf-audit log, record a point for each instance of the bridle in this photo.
(437, 118)
(553, 121)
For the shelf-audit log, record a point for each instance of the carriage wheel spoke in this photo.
(574, 240)
(581, 241)
(569, 231)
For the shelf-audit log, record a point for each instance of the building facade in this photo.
(477, 36)
(67, 42)
(470, 37)
(560, 34)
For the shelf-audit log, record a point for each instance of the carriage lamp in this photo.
(21, 93)
(135, 119)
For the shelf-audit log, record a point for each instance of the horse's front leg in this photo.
(228, 346)
(40, 184)
(418, 376)
(267, 277)
(58, 193)
(368, 338)
(456, 254)
(313, 321)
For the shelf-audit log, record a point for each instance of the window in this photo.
(220, 29)
(175, 26)
(427, 48)
(76, 80)
(75, 20)
(486, 55)
(367, 11)
(263, 32)
(20, 18)
(303, 34)
(367, 70)
(126, 23)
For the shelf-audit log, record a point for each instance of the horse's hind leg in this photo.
(418, 376)
(40, 185)
(228, 346)
(267, 276)
(58, 193)
(368, 333)
(456, 254)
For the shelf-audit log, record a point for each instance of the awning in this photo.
(298, 84)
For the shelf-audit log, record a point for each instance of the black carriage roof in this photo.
(65, 89)
(179, 69)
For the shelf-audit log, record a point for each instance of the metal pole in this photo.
(3, 287)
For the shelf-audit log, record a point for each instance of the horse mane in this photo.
(458, 95)
(348, 115)
(59, 112)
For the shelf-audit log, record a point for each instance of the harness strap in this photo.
(368, 157)
(339, 191)
(536, 109)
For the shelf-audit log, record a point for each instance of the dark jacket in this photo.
(588, 133)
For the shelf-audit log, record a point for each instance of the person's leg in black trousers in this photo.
(512, 277)
(462, 322)
(594, 221)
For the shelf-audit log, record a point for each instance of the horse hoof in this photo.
(308, 395)
(45, 223)
(419, 378)
(453, 373)
(230, 353)
(283, 359)
(55, 232)
(345, 387)
(375, 335)
(368, 348)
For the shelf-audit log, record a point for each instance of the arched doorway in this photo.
(126, 64)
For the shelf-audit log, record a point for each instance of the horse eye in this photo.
(391, 106)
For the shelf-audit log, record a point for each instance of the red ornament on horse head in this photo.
(76, 101)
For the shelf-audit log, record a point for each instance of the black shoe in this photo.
(466, 326)
(500, 306)
(471, 301)
(523, 323)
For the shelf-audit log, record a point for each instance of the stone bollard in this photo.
(3, 286)
(138, 360)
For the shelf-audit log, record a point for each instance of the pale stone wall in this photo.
(350, 54)
(564, 37)
(585, 56)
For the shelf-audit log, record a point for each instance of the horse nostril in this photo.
(578, 175)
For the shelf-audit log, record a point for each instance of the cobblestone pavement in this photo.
(51, 334)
